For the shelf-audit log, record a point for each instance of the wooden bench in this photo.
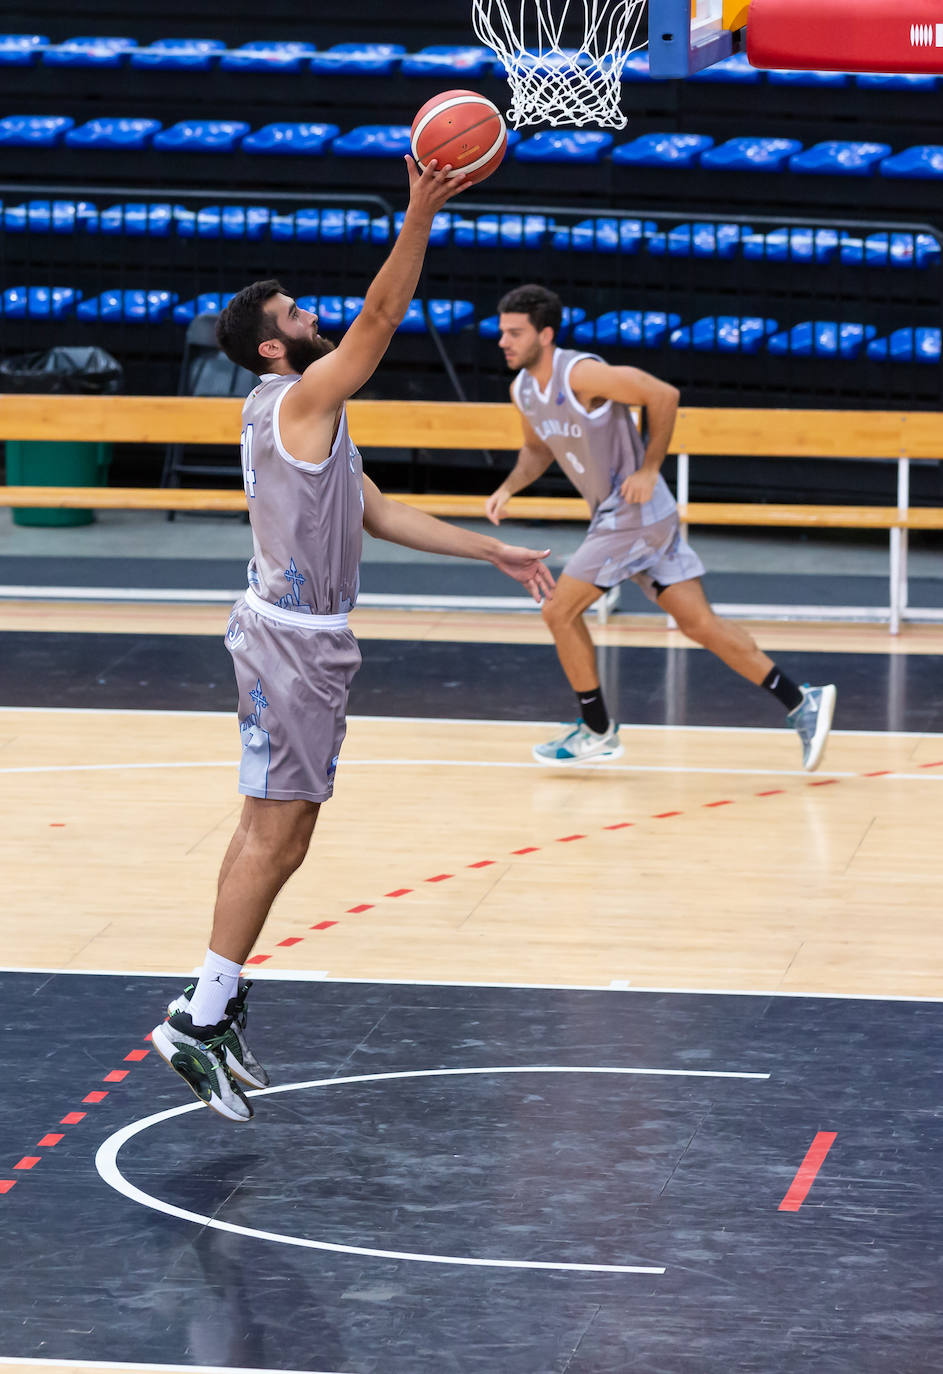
(803, 434)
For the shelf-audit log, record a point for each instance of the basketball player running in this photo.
(574, 408)
(294, 656)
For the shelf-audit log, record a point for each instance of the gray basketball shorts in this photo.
(293, 674)
(651, 556)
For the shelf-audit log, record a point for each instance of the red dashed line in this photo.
(292, 940)
(663, 815)
(57, 825)
(116, 1076)
(482, 863)
(938, 764)
(440, 877)
(620, 825)
(73, 1118)
(881, 773)
(28, 1162)
(95, 1097)
(136, 1056)
(356, 910)
(398, 892)
(49, 1140)
(528, 849)
(565, 839)
(258, 958)
(324, 925)
(719, 803)
(773, 792)
(823, 782)
(6, 1184)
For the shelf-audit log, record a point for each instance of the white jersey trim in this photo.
(296, 619)
(600, 411)
(283, 452)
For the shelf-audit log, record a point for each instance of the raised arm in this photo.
(391, 520)
(593, 380)
(532, 462)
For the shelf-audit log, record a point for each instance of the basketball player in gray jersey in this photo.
(293, 653)
(575, 410)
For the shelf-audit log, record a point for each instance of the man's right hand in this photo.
(494, 506)
(429, 190)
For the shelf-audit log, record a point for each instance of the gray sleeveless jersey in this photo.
(307, 518)
(596, 449)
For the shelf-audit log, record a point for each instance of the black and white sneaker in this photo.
(198, 1055)
(239, 1058)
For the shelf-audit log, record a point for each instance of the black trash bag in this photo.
(72, 371)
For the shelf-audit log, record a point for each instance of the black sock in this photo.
(783, 688)
(593, 710)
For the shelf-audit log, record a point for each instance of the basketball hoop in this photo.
(563, 58)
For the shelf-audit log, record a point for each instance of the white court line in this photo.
(602, 768)
(464, 720)
(28, 1362)
(322, 975)
(106, 1162)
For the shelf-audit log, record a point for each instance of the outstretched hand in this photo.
(433, 187)
(526, 567)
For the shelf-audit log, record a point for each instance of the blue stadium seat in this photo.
(314, 225)
(751, 154)
(113, 133)
(131, 306)
(305, 140)
(261, 55)
(630, 328)
(564, 145)
(793, 245)
(840, 157)
(636, 68)
(663, 150)
(699, 241)
(921, 345)
(442, 226)
(806, 78)
(333, 312)
(89, 52)
(506, 230)
(373, 140)
(604, 235)
(895, 250)
(202, 136)
(38, 302)
(33, 131)
(924, 162)
(223, 222)
(358, 59)
(724, 334)
(895, 81)
(730, 69)
(489, 328)
(50, 216)
(179, 54)
(135, 219)
(822, 339)
(448, 60)
(207, 303)
(448, 317)
(21, 49)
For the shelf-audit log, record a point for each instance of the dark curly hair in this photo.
(244, 324)
(543, 308)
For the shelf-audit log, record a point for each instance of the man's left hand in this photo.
(526, 567)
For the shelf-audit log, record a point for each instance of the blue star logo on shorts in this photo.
(258, 696)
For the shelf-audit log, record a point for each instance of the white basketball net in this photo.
(564, 58)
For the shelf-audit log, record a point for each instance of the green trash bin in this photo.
(44, 464)
(30, 463)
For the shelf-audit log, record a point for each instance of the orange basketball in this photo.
(463, 128)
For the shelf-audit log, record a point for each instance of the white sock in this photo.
(218, 981)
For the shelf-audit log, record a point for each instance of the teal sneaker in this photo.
(239, 1058)
(580, 744)
(196, 1053)
(812, 720)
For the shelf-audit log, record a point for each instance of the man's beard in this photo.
(301, 353)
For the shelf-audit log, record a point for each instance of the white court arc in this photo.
(106, 1162)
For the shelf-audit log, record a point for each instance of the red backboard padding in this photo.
(846, 35)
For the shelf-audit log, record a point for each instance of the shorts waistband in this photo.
(297, 620)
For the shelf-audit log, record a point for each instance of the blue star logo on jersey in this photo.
(296, 579)
(560, 398)
(258, 696)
